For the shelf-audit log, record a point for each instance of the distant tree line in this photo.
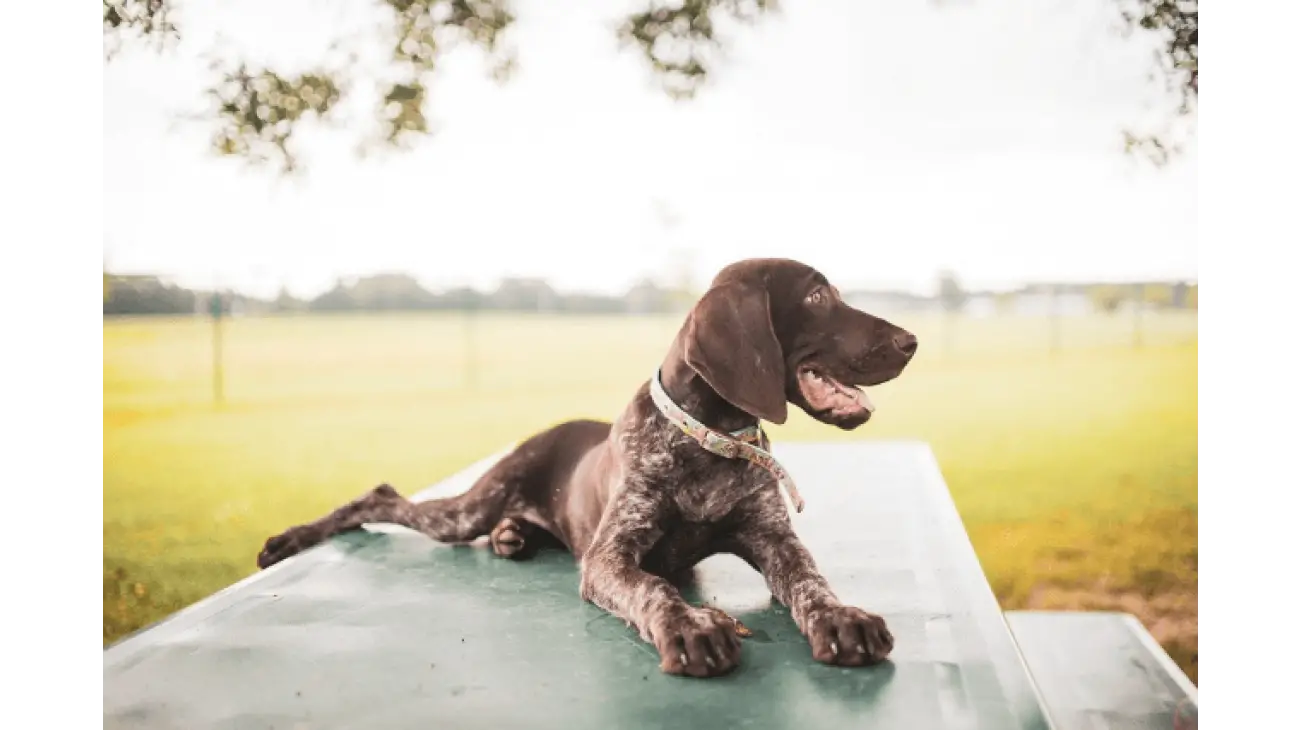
(140, 295)
(135, 295)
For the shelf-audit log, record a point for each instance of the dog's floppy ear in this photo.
(730, 342)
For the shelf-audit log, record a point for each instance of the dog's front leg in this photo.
(839, 634)
(690, 640)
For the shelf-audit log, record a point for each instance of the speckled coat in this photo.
(638, 501)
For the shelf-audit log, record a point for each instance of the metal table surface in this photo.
(1103, 670)
(388, 629)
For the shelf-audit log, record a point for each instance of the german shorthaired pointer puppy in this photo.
(684, 472)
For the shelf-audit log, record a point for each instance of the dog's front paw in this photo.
(697, 643)
(848, 636)
(286, 545)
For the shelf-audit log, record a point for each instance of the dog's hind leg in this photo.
(517, 538)
(511, 501)
(453, 519)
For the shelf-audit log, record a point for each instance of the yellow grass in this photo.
(1075, 471)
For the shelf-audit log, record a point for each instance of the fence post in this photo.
(1054, 319)
(949, 332)
(471, 307)
(218, 361)
(1140, 290)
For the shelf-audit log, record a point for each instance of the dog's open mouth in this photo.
(827, 395)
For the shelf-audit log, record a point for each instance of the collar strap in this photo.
(747, 443)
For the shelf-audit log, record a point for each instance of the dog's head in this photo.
(772, 331)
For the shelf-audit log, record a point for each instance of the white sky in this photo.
(878, 140)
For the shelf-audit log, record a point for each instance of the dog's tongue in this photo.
(829, 393)
(857, 395)
(863, 400)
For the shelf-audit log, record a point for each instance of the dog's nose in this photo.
(906, 343)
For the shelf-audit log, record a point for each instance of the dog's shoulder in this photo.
(643, 439)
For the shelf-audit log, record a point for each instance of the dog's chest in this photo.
(682, 546)
(709, 493)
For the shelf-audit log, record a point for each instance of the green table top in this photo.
(388, 629)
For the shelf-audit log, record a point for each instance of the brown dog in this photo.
(684, 472)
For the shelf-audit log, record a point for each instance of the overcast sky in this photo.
(878, 140)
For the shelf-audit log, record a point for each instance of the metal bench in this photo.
(387, 629)
(1103, 670)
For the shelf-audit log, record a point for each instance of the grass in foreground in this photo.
(1075, 473)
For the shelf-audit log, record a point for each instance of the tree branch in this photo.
(258, 109)
(1176, 21)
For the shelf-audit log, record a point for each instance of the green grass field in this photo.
(1075, 471)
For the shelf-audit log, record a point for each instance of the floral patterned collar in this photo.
(749, 443)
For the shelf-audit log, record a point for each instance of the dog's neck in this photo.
(695, 396)
(683, 396)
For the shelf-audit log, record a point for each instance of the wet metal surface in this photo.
(1103, 670)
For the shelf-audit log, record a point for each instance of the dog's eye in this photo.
(816, 297)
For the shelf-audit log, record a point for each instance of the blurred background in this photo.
(356, 241)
